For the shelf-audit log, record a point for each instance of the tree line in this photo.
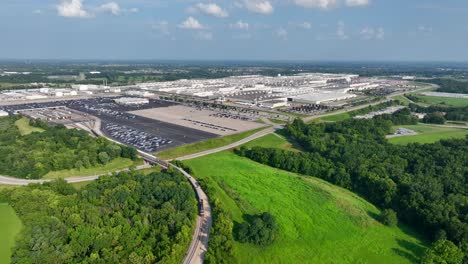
(425, 184)
(125, 218)
(57, 148)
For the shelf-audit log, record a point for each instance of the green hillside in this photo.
(318, 222)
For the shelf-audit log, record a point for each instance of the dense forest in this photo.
(426, 185)
(125, 218)
(449, 85)
(448, 113)
(57, 148)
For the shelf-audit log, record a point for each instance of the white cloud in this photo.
(369, 33)
(37, 12)
(72, 8)
(340, 31)
(322, 4)
(211, 9)
(240, 25)
(162, 27)
(204, 35)
(191, 23)
(357, 2)
(111, 7)
(282, 34)
(258, 6)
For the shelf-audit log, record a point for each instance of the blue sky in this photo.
(318, 30)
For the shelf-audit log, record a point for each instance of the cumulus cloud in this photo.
(191, 23)
(357, 2)
(328, 4)
(111, 7)
(258, 6)
(72, 8)
(211, 9)
(369, 33)
(340, 31)
(240, 25)
(322, 4)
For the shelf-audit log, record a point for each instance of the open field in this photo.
(318, 222)
(10, 226)
(428, 134)
(112, 166)
(25, 128)
(272, 141)
(204, 145)
(337, 117)
(201, 119)
(433, 100)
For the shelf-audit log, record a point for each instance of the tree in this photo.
(443, 252)
(104, 157)
(389, 217)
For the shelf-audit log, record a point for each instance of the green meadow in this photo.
(10, 226)
(428, 134)
(318, 222)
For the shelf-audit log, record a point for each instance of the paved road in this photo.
(199, 245)
(230, 146)
(5, 180)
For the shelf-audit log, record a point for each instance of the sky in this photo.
(306, 30)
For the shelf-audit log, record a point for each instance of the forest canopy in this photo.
(57, 148)
(125, 218)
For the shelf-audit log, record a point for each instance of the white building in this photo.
(131, 101)
(3, 113)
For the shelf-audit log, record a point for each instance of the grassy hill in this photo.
(318, 222)
(204, 145)
(10, 226)
(428, 134)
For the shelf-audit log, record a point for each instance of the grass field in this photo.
(433, 100)
(272, 141)
(402, 99)
(10, 225)
(204, 145)
(113, 166)
(25, 128)
(428, 134)
(337, 117)
(318, 222)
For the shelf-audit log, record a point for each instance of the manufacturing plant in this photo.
(46, 93)
(131, 101)
(272, 92)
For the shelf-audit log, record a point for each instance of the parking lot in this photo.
(116, 122)
(219, 123)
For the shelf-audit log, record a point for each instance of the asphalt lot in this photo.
(160, 135)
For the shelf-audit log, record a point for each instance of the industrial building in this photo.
(3, 113)
(131, 101)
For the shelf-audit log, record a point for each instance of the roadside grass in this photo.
(80, 185)
(10, 226)
(337, 117)
(25, 128)
(402, 99)
(318, 222)
(434, 100)
(273, 140)
(278, 121)
(113, 166)
(428, 134)
(205, 145)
